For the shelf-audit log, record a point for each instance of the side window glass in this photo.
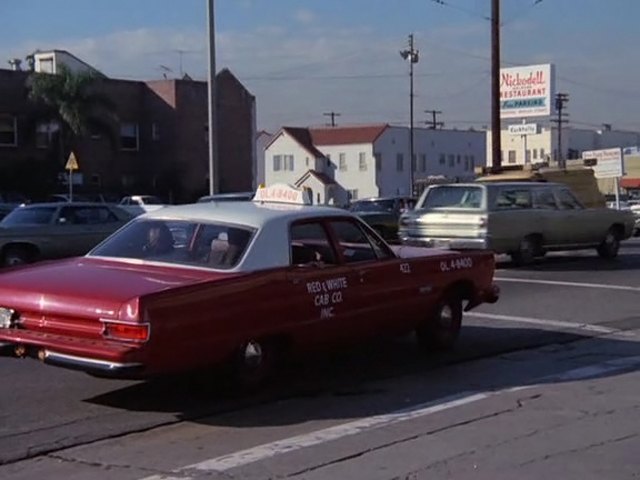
(567, 200)
(513, 198)
(544, 199)
(353, 242)
(309, 244)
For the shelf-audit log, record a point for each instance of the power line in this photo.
(461, 9)
(434, 123)
(333, 116)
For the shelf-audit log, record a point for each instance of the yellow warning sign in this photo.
(72, 163)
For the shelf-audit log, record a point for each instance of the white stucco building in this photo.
(49, 62)
(543, 145)
(360, 161)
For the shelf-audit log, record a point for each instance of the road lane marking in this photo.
(269, 450)
(568, 284)
(551, 323)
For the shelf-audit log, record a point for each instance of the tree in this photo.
(73, 101)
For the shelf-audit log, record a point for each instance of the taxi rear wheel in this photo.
(441, 331)
(254, 363)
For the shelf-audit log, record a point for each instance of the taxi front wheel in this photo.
(442, 329)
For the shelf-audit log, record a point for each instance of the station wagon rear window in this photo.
(29, 216)
(210, 245)
(449, 196)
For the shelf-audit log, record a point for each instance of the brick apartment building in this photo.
(159, 146)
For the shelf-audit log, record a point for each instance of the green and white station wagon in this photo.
(522, 219)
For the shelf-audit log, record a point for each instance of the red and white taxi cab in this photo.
(197, 286)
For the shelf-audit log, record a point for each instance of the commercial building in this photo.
(158, 143)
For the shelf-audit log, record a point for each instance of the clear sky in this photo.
(304, 58)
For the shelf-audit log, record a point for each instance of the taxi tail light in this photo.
(128, 332)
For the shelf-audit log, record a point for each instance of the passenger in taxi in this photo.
(228, 247)
(159, 240)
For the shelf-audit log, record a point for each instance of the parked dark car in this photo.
(9, 201)
(383, 213)
(54, 230)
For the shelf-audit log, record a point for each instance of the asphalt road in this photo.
(544, 382)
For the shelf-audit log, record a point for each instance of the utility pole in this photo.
(333, 116)
(561, 99)
(434, 124)
(213, 124)
(496, 129)
(413, 56)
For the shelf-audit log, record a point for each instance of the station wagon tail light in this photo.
(126, 332)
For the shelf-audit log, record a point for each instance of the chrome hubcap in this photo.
(252, 354)
(446, 316)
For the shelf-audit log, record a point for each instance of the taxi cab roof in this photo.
(253, 214)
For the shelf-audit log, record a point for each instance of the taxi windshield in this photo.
(210, 245)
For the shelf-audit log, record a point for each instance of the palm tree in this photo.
(74, 103)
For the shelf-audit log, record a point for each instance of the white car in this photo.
(139, 204)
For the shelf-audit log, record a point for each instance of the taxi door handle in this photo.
(362, 274)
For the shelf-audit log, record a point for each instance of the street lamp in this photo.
(412, 55)
(212, 98)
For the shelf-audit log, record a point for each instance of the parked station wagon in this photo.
(235, 283)
(522, 219)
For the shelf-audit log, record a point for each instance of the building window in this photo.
(8, 131)
(277, 163)
(155, 132)
(44, 134)
(288, 163)
(527, 155)
(423, 162)
(378, 157)
(466, 163)
(399, 162)
(283, 162)
(362, 161)
(542, 154)
(452, 160)
(512, 156)
(414, 162)
(306, 162)
(458, 160)
(353, 194)
(535, 153)
(129, 136)
(443, 159)
(472, 162)
(342, 162)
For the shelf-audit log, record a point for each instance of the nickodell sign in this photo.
(527, 91)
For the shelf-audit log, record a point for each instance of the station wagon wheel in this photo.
(527, 252)
(610, 244)
(254, 363)
(17, 255)
(441, 331)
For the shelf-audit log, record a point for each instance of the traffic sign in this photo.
(523, 129)
(606, 163)
(72, 162)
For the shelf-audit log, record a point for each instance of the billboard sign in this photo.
(608, 163)
(527, 91)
